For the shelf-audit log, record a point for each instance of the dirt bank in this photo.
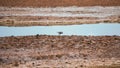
(56, 3)
(51, 21)
(17, 16)
(59, 51)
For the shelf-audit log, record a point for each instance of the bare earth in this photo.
(56, 3)
(59, 51)
(16, 16)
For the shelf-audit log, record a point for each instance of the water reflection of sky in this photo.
(85, 29)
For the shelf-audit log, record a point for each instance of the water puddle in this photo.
(85, 29)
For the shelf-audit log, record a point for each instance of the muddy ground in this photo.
(59, 51)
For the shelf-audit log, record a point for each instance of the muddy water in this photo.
(85, 29)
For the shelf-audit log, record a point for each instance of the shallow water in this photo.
(85, 29)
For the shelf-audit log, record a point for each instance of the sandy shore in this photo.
(16, 16)
(59, 51)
